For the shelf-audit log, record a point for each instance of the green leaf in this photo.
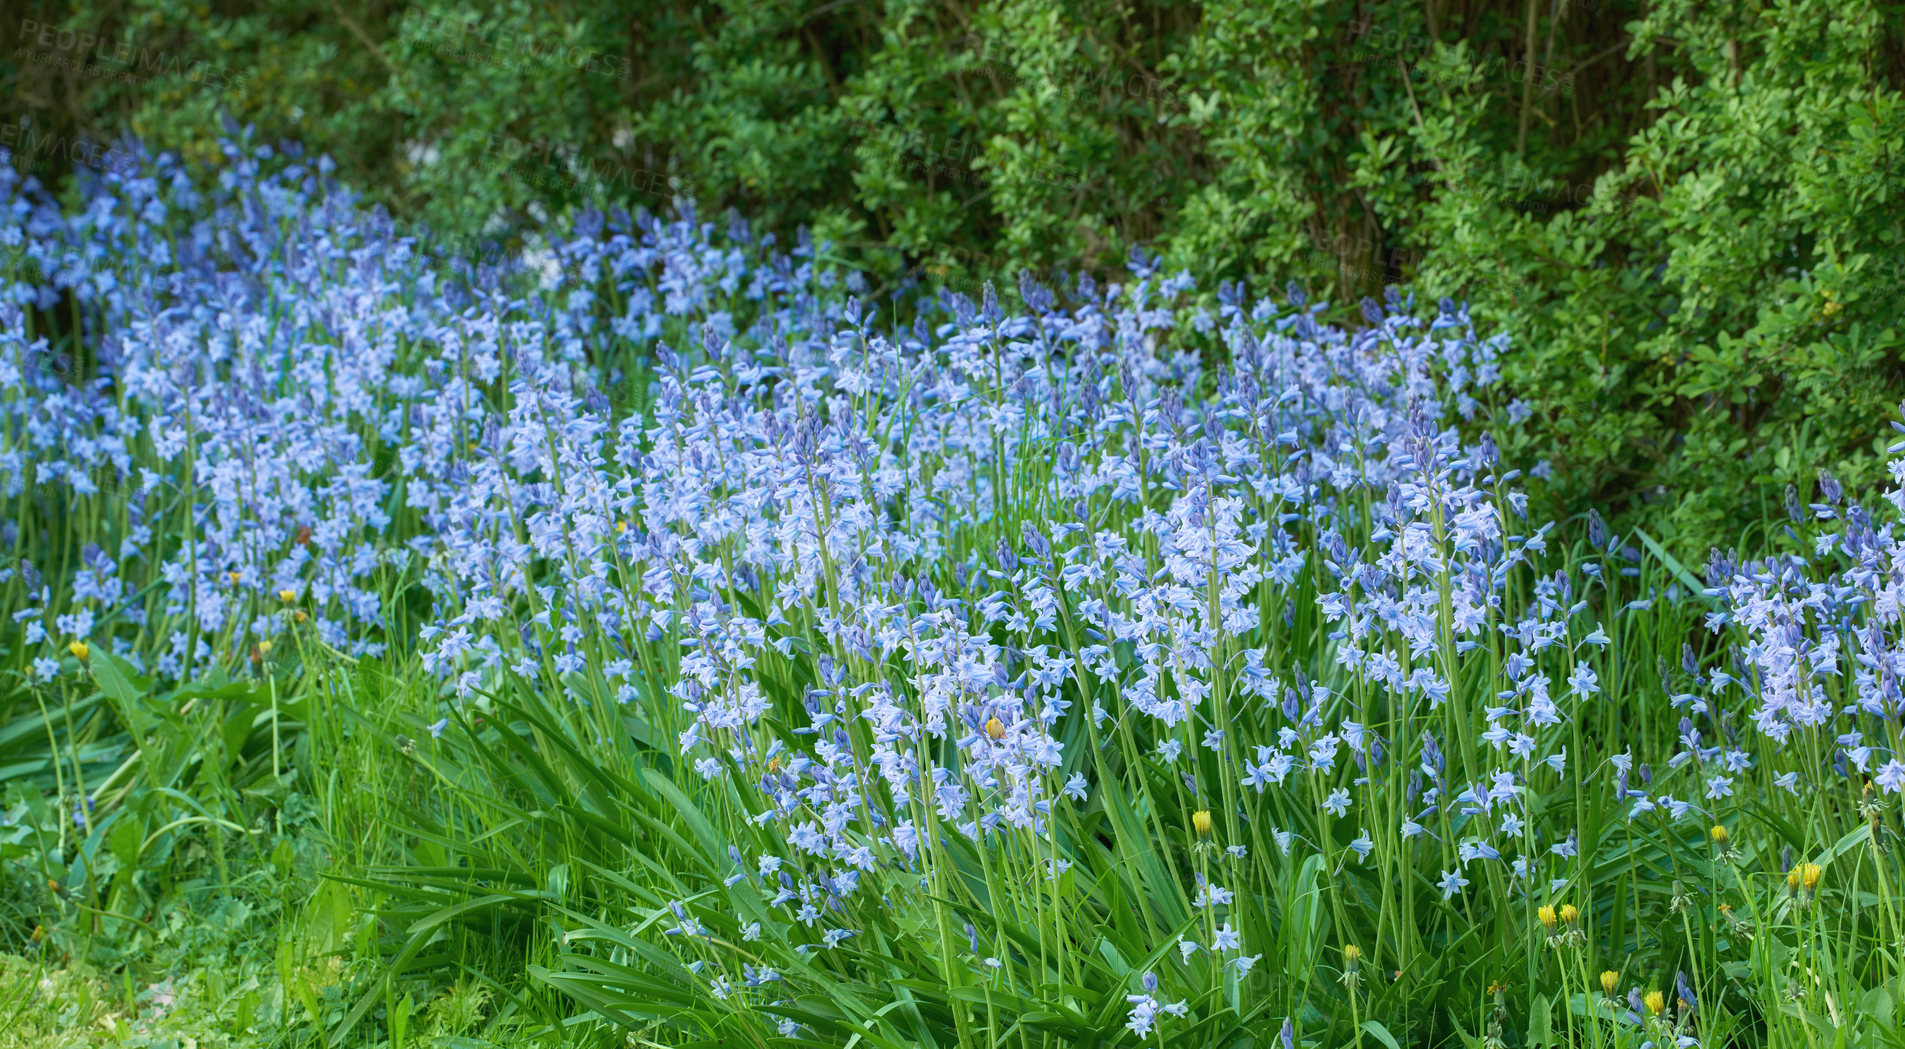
(1540, 1026)
(1672, 563)
(1380, 1033)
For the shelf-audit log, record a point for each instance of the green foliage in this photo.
(1691, 216)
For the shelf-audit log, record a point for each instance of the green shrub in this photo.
(1690, 215)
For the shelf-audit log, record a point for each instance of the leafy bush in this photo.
(754, 664)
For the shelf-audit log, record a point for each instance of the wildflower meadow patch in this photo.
(650, 636)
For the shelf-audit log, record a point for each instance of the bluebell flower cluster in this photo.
(900, 594)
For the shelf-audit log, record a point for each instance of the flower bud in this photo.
(1608, 979)
(1656, 1002)
(1546, 914)
(79, 650)
(995, 729)
(1200, 821)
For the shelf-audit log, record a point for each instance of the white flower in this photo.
(1337, 803)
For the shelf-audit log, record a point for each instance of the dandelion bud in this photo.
(995, 729)
(79, 650)
(1200, 821)
(233, 576)
(1608, 978)
(1570, 913)
(287, 595)
(1656, 1003)
(1718, 834)
(1546, 914)
(1809, 874)
(1352, 955)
